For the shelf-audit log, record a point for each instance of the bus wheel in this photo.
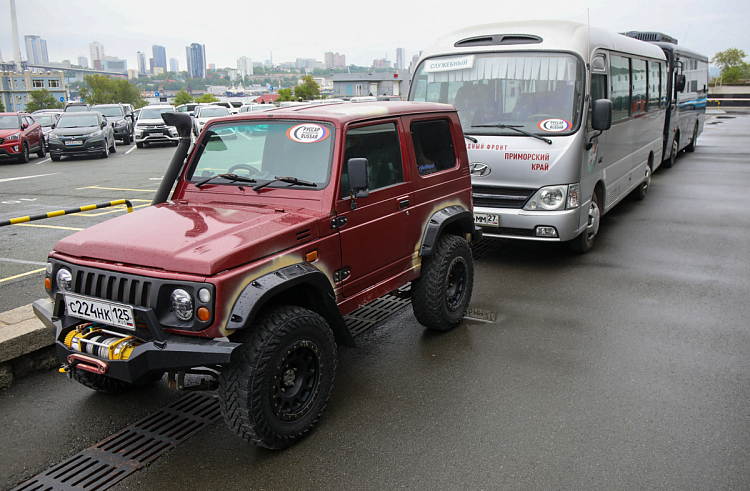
(672, 154)
(643, 187)
(585, 240)
(691, 147)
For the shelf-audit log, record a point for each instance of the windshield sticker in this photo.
(448, 64)
(307, 133)
(554, 125)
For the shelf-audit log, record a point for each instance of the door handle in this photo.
(404, 203)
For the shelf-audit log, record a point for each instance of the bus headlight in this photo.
(548, 198)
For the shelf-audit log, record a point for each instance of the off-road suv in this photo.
(280, 223)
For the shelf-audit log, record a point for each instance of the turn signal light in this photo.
(48, 284)
(311, 256)
(204, 314)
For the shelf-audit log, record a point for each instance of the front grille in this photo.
(501, 197)
(515, 232)
(112, 286)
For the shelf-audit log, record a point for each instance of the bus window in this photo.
(639, 87)
(663, 91)
(620, 72)
(654, 84)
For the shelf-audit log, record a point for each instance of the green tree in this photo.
(284, 95)
(42, 99)
(182, 97)
(732, 64)
(207, 99)
(307, 89)
(101, 89)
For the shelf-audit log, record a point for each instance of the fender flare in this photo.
(316, 295)
(455, 214)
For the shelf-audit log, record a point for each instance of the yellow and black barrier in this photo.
(42, 216)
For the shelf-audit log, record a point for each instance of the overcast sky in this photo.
(295, 29)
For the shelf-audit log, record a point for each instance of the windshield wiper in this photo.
(514, 127)
(229, 177)
(290, 180)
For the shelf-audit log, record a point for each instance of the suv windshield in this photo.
(110, 112)
(9, 123)
(264, 151)
(537, 92)
(77, 121)
(154, 112)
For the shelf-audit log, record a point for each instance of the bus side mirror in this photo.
(679, 83)
(601, 114)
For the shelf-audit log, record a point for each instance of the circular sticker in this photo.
(554, 125)
(308, 133)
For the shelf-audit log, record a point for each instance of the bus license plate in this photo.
(487, 219)
(93, 309)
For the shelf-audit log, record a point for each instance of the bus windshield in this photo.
(540, 92)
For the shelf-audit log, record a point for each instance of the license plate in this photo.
(114, 314)
(73, 143)
(487, 219)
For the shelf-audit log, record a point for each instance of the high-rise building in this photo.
(83, 62)
(400, 58)
(97, 54)
(174, 65)
(196, 60)
(36, 50)
(141, 57)
(334, 60)
(245, 65)
(160, 56)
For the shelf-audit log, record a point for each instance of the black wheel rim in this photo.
(455, 284)
(296, 380)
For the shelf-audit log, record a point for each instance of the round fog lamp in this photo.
(204, 295)
(64, 280)
(182, 304)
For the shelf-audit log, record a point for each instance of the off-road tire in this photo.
(282, 343)
(101, 383)
(440, 296)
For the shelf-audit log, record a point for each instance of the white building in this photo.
(83, 62)
(97, 55)
(245, 65)
(174, 65)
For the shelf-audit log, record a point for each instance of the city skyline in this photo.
(69, 27)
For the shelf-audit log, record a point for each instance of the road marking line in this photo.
(27, 177)
(21, 261)
(45, 226)
(22, 275)
(43, 161)
(130, 150)
(120, 189)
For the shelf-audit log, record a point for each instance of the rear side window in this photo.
(433, 146)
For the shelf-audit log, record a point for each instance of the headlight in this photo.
(13, 137)
(548, 198)
(95, 134)
(64, 280)
(182, 304)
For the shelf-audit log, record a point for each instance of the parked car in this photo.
(187, 108)
(47, 120)
(19, 136)
(256, 107)
(79, 134)
(150, 127)
(232, 106)
(74, 107)
(204, 114)
(119, 120)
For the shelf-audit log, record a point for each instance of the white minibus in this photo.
(562, 121)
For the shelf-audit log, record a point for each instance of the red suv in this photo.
(19, 136)
(280, 223)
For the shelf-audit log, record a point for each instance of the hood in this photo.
(150, 121)
(4, 133)
(193, 239)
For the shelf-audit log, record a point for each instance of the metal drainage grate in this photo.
(362, 319)
(111, 460)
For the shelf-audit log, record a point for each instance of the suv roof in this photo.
(343, 113)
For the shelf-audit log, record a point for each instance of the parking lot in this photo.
(624, 368)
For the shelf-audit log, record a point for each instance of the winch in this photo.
(94, 339)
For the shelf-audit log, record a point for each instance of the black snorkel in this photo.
(184, 124)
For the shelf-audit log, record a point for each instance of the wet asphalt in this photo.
(625, 368)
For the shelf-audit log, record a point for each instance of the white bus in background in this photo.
(562, 121)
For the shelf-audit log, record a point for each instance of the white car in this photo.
(204, 114)
(232, 106)
(150, 128)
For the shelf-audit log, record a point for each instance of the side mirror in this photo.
(192, 113)
(104, 124)
(679, 83)
(24, 126)
(357, 170)
(601, 114)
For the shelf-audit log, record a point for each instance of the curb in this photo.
(25, 345)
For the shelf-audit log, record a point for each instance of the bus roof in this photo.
(540, 35)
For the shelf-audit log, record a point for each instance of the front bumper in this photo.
(10, 150)
(159, 352)
(156, 135)
(521, 224)
(91, 146)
